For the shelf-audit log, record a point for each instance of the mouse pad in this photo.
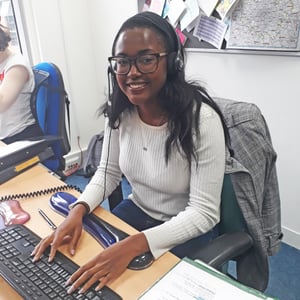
(11, 212)
(105, 233)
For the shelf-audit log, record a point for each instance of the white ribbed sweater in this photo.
(188, 200)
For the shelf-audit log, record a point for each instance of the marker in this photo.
(47, 219)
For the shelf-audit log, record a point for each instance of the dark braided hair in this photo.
(182, 99)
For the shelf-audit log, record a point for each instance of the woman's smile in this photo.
(136, 86)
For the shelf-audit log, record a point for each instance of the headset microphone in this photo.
(110, 85)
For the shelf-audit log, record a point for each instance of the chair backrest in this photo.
(232, 219)
(50, 105)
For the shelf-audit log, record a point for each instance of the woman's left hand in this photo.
(108, 265)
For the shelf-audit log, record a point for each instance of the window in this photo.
(11, 18)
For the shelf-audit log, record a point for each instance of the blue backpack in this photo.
(50, 105)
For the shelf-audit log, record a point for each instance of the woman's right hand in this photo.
(68, 231)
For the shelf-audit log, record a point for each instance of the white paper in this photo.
(225, 7)
(211, 30)
(157, 6)
(14, 147)
(176, 9)
(189, 282)
(208, 6)
(190, 14)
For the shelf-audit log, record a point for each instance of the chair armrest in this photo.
(224, 248)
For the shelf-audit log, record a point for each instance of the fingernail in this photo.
(81, 291)
(72, 252)
(68, 282)
(34, 259)
(71, 290)
(97, 288)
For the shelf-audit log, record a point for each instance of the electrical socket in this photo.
(71, 169)
(72, 163)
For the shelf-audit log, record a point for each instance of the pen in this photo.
(47, 219)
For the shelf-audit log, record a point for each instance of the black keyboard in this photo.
(39, 280)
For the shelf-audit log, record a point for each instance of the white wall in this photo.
(77, 35)
(271, 82)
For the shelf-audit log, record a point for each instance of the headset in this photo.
(175, 58)
(175, 61)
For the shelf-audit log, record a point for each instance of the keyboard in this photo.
(40, 280)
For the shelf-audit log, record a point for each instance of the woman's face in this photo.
(141, 89)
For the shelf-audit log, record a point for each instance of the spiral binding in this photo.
(40, 192)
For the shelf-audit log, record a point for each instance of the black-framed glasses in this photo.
(145, 63)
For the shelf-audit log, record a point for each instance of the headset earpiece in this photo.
(175, 59)
(175, 63)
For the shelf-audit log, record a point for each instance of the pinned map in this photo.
(265, 25)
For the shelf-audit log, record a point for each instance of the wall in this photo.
(72, 35)
(271, 82)
(77, 35)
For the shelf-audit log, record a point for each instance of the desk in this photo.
(130, 285)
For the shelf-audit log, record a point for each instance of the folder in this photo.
(190, 280)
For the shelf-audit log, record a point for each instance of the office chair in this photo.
(49, 104)
(233, 241)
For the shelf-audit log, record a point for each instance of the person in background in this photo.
(167, 136)
(16, 84)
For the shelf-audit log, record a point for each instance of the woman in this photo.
(166, 136)
(16, 84)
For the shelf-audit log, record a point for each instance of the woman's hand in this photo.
(109, 264)
(68, 231)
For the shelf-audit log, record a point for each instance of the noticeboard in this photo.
(254, 27)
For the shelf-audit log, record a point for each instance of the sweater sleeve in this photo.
(108, 174)
(202, 212)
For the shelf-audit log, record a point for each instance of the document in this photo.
(190, 280)
(208, 6)
(210, 30)
(16, 146)
(157, 6)
(190, 15)
(176, 9)
(225, 8)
